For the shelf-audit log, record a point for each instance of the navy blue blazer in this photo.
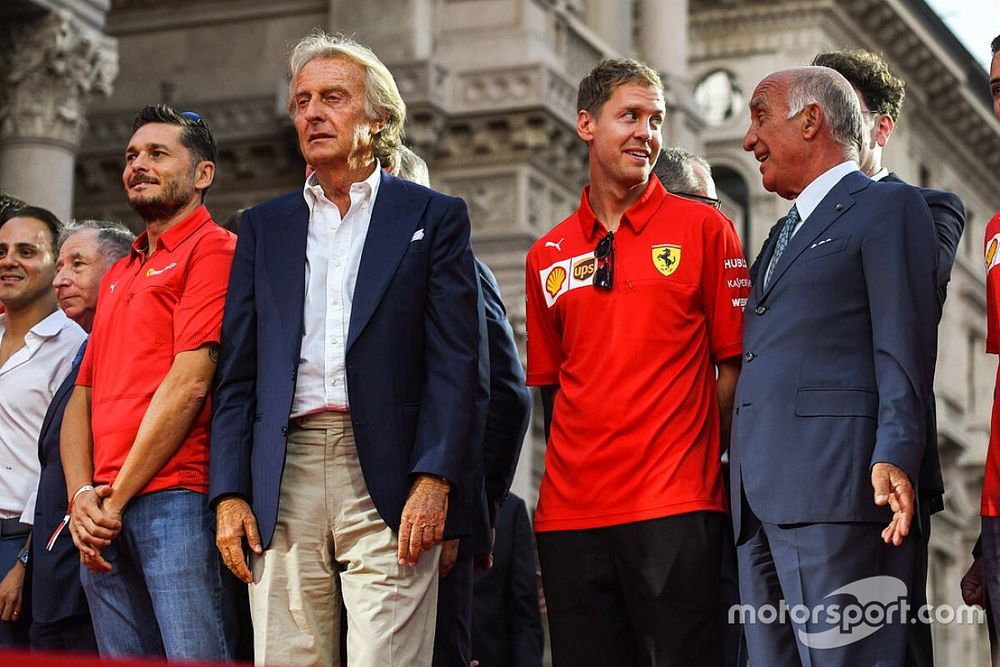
(55, 575)
(948, 213)
(838, 358)
(412, 348)
(502, 415)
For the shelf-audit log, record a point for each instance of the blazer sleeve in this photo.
(451, 352)
(509, 408)
(234, 400)
(949, 222)
(902, 302)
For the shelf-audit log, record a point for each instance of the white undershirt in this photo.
(333, 257)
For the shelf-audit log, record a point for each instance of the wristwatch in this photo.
(22, 555)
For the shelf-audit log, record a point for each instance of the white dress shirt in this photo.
(813, 194)
(28, 381)
(333, 257)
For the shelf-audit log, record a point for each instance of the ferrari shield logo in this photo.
(666, 258)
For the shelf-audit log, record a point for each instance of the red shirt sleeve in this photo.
(544, 339)
(198, 313)
(726, 285)
(991, 250)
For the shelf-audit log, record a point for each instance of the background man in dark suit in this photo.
(503, 407)
(506, 623)
(350, 336)
(59, 611)
(839, 338)
(880, 93)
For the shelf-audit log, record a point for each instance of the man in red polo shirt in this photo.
(634, 305)
(140, 514)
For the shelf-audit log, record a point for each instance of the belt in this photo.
(322, 420)
(12, 527)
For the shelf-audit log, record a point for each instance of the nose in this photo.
(62, 277)
(311, 111)
(749, 139)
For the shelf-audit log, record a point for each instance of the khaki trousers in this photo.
(330, 543)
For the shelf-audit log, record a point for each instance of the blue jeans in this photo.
(167, 593)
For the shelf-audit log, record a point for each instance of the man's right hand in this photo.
(234, 522)
(974, 585)
(92, 528)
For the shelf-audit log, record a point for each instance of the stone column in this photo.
(663, 45)
(52, 66)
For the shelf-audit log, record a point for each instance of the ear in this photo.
(204, 174)
(812, 121)
(585, 125)
(883, 130)
(377, 126)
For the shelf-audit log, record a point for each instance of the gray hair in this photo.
(675, 170)
(114, 240)
(833, 93)
(411, 167)
(382, 98)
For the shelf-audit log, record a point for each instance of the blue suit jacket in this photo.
(838, 358)
(412, 348)
(55, 575)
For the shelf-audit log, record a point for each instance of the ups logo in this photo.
(584, 268)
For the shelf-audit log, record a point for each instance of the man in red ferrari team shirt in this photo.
(989, 561)
(634, 305)
(140, 516)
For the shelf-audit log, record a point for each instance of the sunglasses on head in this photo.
(604, 253)
(193, 117)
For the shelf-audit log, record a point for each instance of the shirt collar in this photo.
(47, 328)
(813, 194)
(312, 191)
(880, 174)
(636, 216)
(173, 237)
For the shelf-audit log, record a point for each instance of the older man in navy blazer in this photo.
(347, 381)
(828, 434)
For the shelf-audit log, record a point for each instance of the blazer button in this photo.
(749, 356)
(760, 310)
(284, 430)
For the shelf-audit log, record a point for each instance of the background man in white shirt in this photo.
(37, 344)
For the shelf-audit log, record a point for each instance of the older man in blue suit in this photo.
(347, 380)
(829, 431)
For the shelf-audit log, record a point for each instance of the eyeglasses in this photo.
(711, 201)
(193, 117)
(604, 253)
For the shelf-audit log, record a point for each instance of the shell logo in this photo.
(555, 280)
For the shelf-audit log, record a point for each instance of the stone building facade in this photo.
(491, 90)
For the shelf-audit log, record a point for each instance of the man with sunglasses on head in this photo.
(687, 175)
(634, 302)
(135, 431)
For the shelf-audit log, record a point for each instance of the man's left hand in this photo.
(422, 524)
(449, 556)
(893, 487)
(10, 593)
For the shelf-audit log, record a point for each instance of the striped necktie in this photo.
(786, 233)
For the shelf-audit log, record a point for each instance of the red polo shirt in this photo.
(151, 308)
(635, 427)
(991, 481)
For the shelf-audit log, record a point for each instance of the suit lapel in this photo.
(284, 255)
(59, 398)
(389, 235)
(836, 203)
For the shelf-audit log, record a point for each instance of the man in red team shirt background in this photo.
(137, 424)
(981, 585)
(634, 302)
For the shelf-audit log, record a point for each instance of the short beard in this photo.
(176, 195)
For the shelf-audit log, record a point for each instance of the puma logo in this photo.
(557, 246)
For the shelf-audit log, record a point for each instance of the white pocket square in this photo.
(819, 243)
(417, 235)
